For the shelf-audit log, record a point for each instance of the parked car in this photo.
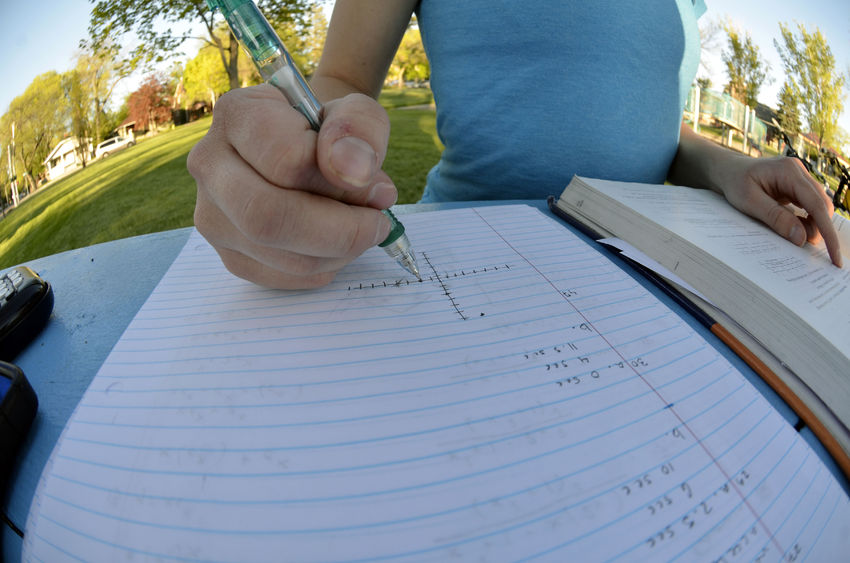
(109, 146)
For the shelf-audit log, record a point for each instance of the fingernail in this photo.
(382, 196)
(354, 161)
(797, 236)
(383, 230)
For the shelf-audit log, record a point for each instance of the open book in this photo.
(527, 400)
(792, 301)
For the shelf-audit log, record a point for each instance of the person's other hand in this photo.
(283, 205)
(761, 187)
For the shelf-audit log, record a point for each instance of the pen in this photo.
(276, 66)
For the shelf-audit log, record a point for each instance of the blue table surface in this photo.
(99, 289)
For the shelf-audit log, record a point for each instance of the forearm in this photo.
(362, 40)
(700, 163)
(760, 187)
(329, 88)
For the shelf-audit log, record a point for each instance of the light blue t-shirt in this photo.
(530, 92)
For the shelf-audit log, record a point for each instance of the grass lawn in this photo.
(395, 98)
(146, 188)
(716, 134)
(414, 149)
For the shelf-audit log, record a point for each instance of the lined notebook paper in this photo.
(526, 400)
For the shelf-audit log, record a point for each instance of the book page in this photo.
(526, 399)
(803, 279)
(641, 258)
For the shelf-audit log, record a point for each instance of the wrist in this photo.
(700, 163)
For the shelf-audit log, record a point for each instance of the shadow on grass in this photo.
(146, 188)
(140, 190)
(414, 149)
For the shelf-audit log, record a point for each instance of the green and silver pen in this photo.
(276, 66)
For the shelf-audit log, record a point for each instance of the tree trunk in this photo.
(30, 182)
(233, 63)
(96, 135)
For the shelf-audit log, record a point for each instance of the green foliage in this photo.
(204, 77)
(139, 190)
(410, 61)
(39, 115)
(78, 108)
(97, 74)
(151, 23)
(745, 67)
(112, 120)
(146, 188)
(393, 98)
(789, 110)
(414, 149)
(813, 78)
(305, 39)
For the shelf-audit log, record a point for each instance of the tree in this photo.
(306, 43)
(789, 110)
(79, 102)
(150, 104)
(111, 19)
(709, 38)
(811, 74)
(99, 72)
(410, 61)
(38, 116)
(204, 78)
(745, 67)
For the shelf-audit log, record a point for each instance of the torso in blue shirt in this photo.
(531, 92)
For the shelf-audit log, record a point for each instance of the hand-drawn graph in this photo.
(441, 280)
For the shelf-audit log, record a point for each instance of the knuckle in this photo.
(196, 162)
(225, 105)
(289, 163)
(354, 112)
(789, 162)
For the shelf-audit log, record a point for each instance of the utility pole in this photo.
(10, 151)
(3, 187)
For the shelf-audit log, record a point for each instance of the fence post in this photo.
(696, 108)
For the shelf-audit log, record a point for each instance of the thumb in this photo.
(352, 143)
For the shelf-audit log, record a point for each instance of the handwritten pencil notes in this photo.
(527, 399)
(792, 300)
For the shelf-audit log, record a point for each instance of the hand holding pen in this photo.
(284, 205)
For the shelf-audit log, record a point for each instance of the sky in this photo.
(761, 19)
(43, 35)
